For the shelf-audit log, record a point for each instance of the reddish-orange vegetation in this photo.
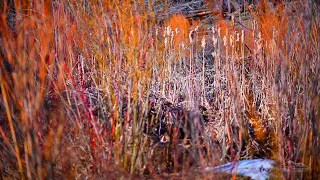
(180, 26)
(105, 89)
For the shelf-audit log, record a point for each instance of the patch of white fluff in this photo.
(256, 169)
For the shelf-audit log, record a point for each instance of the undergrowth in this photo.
(123, 88)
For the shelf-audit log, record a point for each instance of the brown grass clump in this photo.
(121, 88)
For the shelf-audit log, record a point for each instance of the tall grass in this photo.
(105, 88)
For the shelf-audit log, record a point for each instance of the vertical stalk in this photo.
(14, 138)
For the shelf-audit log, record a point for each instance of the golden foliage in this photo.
(180, 26)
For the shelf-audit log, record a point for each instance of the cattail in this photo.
(242, 36)
(168, 30)
(203, 42)
(214, 54)
(171, 36)
(191, 36)
(231, 40)
(214, 39)
(259, 41)
(213, 30)
(224, 40)
(183, 46)
(196, 29)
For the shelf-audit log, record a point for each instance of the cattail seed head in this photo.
(203, 42)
